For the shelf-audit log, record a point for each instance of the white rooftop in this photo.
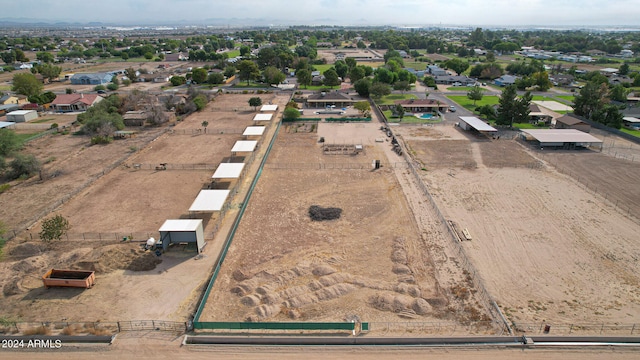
(262, 117)
(21, 112)
(228, 171)
(181, 225)
(4, 124)
(244, 146)
(477, 124)
(631, 119)
(561, 136)
(269, 108)
(210, 200)
(253, 131)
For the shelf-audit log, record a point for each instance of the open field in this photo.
(370, 264)
(548, 249)
(121, 200)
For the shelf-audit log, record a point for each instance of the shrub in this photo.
(4, 187)
(54, 228)
(112, 87)
(23, 166)
(54, 126)
(98, 140)
(40, 330)
(99, 87)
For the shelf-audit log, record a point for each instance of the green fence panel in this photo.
(301, 119)
(364, 326)
(274, 325)
(348, 119)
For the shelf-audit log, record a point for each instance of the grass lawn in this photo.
(40, 121)
(320, 88)
(467, 103)
(322, 68)
(418, 65)
(635, 133)
(528, 126)
(25, 136)
(243, 84)
(409, 119)
(463, 88)
(389, 99)
(233, 53)
(5, 87)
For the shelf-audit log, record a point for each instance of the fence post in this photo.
(633, 328)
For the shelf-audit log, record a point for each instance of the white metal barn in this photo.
(560, 138)
(22, 115)
(182, 231)
(472, 122)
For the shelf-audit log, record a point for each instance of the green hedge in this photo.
(301, 119)
(347, 119)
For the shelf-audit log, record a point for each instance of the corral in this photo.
(107, 208)
(549, 249)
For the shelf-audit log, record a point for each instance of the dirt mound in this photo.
(322, 270)
(26, 250)
(118, 257)
(421, 306)
(11, 288)
(24, 266)
(317, 213)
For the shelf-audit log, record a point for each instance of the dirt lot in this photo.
(126, 199)
(548, 250)
(371, 264)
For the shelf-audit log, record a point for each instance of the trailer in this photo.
(69, 278)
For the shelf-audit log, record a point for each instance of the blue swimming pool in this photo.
(426, 116)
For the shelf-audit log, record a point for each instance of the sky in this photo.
(514, 13)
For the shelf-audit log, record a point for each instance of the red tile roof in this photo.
(67, 99)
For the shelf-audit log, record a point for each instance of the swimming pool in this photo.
(426, 116)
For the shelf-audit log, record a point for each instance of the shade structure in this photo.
(178, 231)
(269, 107)
(262, 117)
(560, 136)
(4, 124)
(476, 123)
(181, 225)
(209, 200)
(253, 131)
(244, 146)
(228, 171)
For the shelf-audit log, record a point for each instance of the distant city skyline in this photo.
(507, 13)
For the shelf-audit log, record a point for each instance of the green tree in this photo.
(204, 125)
(131, 74)
(200, 101)
(342, 69)
(331, 78)
(378, 90)
(291, 113)
(429, 82)
(9, 142)
(45, 57)
(148, 55)
(255, 102)
(273, 76)
(475, 94)
(363, 87)
(385, 75)
(457, 65)
(245, 50)
(356, 74)
(115, 80)
(113, 87)
(618, 93)
(610, 116)
(508, 106)
(54, 228)
(9, 57)
(215, 78)
(229, 71)
(26, 84)
(304, 77)
(399, 111)
(491, 57)
(590, 100)
(624, 69)
(248, 70)
(23, 166)
(124, 55)
(541, 80)
(199, 75)
(178, 80)
(364, 107)
(402, 86)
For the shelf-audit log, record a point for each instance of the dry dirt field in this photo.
(126, 199)
(547, 249)
(370, 264)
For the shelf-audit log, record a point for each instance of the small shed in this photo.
(182, 231)
(473, 123)
(22, 115)
(570, 122)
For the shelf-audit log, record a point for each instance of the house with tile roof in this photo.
(74, 102)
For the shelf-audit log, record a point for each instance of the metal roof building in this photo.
(209, 201)
(269, 108)
(262, 117)
(182, 231)
(228, 171)
(564, 138)
(472, 122)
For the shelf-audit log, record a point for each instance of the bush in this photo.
(101, 140)
(99, 87)
(291, 113)
(317, 213)
(3, 188)
(54, 126)
(112, 87)
(23, 166)
(54, 228)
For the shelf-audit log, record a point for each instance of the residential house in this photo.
(22, 66)
(403, 54)
(435, 70)
(317, 80)
(176, 57)
(420, 106)
(455, 79)
(340, 56)
(418, 73)
(13, 99)
(569, 121)
(74, 102)
(8, 108)
(596, 52)
(505, 80)
(91, 78)
(562, 79)
(626, 53)
(333, 98)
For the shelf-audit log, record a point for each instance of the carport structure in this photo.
(473, 123)
(269, 107)
(262, 117)
(209, 201)
(561, 138)
(244, 146)
(228, 171)
(253, 131)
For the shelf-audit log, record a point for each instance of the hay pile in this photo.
(318, 213)
(118, 257)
